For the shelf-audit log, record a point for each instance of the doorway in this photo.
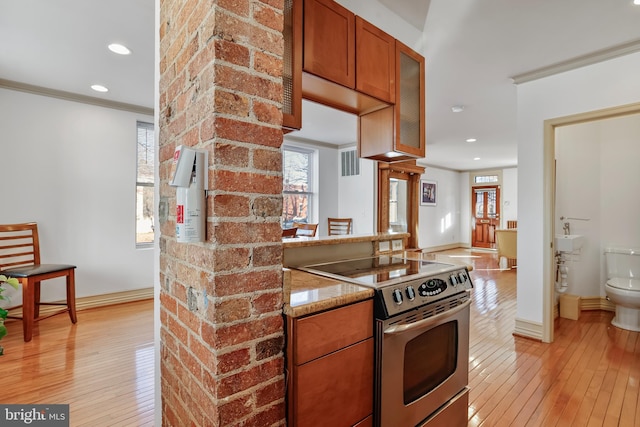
(486, 215)
(550, 211)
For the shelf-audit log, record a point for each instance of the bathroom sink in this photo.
(568, 242)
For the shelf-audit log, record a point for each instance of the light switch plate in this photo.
(383, 246)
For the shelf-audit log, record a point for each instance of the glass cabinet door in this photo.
(409, 108)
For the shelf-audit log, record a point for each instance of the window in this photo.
(297, 185)
(145, 155)
(482, 179)
(393, 201)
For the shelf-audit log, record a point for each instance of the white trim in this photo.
(528, 329)
(577, 62)
(69, 96)
(95, 301)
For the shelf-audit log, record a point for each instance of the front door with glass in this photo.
(486, 216)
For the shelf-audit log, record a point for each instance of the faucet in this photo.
(566, 228)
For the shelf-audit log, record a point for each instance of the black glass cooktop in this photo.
(376, 271)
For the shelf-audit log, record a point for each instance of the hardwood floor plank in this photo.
(103, 366)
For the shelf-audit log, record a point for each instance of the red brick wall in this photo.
(221, 90)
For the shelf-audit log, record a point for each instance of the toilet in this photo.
(623, 286)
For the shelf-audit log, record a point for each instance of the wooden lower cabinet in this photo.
(334, 389)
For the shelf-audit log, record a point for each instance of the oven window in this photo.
(429, 359)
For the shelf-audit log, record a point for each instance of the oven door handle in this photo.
(421, 324)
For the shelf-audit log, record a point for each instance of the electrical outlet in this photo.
(396, 245)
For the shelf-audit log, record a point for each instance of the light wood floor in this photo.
(589, 376)
(102, 366)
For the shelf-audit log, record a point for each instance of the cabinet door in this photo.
(329, 41)
(336, 389)
(292, 67)
(375, 61)
(409, 108)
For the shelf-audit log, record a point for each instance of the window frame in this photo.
(149, 129)
(311, 177)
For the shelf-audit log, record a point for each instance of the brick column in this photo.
(221, 320)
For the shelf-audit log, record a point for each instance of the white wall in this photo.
(440, 225)
(598, 179)
(603, 85)
(509, 195)
(71, 167)
(357, 197)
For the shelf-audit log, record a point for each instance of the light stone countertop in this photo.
(306, 293)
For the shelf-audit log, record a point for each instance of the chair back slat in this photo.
(19, 245)
(306, 230)
(339, 226)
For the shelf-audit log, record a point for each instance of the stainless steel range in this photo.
(422, 337)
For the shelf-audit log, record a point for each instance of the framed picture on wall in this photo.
(428, 192)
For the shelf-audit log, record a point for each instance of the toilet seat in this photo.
(624, 284)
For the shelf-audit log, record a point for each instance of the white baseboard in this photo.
(596, 303)
(444, 247)
(95, 301)
(528, 329)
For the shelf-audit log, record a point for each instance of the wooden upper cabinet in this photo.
(410, 94)
(292, 66)
(375, 61)
(329, 41)
(397, 133)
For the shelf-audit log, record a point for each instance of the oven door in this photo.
(422, 363)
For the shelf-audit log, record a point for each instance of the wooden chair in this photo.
(20, 258)
(512, 224)
(507, 245)
(339, 226)
(289, 232)
(306, 230)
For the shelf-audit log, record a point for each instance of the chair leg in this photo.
(36, 299)
(71, 295)
(27, 308)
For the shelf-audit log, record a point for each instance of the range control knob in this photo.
(462, 277)
(453, 279)
(411, 294)
(397, 296)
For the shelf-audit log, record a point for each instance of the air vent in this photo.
(350, 163)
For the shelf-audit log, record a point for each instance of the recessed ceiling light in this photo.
(119, 49)
(457, 108)
(471, 140)
(637, 2)
(99, 88)
(476, 158)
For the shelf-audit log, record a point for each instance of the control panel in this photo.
(416, 292)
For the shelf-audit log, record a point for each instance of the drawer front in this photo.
(335, 390)
(320, 334)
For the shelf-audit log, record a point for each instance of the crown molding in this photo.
(579, 61)
(69, 96)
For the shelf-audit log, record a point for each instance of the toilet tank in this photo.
(622, 262)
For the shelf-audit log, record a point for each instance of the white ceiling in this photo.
(472, 48)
